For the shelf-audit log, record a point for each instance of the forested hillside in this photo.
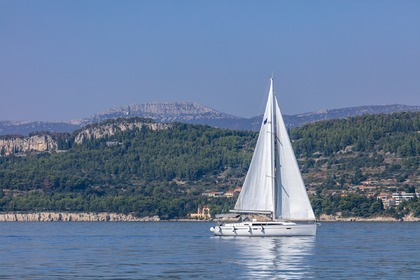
(348, 163)
(374, 148)
(164, 171)
(141, 170)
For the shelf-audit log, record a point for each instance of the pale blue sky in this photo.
(62, 60)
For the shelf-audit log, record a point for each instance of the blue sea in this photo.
(187, 250)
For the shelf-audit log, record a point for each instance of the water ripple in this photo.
(188, 251)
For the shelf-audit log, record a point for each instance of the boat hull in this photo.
(265, 229)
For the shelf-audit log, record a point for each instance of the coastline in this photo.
(73, 217)
(336, 218)
(117, 217)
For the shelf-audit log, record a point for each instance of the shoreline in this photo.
(117, 217)
(335, 218)
(73, 217)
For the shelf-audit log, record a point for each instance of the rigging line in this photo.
(284, 190)
(278, 139)
(281, 144)
(274, 177)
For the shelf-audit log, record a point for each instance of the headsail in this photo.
(293, 202)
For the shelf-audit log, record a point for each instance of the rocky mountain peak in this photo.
(161, 112)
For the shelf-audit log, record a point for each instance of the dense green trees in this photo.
(163, 172)
(351, 205)
(184, 152)
(394, 133)
(144, 171)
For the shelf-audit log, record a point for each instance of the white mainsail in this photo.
(257, 191)
(274, 183)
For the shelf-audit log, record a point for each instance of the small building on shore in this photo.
(398, 197)
(203, 213)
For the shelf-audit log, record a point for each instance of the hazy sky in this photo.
(62, 60)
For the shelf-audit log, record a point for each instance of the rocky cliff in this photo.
(12, 144)
(111, 127)
(17, 144)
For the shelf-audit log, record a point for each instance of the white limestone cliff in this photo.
(39, 143)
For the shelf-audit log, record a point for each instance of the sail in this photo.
(291, 196)
(257, 190)
(274, 183)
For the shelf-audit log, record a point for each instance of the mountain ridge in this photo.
(161, 112)
(194, 113)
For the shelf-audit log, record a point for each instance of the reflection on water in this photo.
(274, 257)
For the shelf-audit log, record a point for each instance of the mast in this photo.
(273, 148)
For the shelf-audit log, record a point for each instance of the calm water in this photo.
(187, 250)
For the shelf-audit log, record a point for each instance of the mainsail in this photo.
(257, 191)
(274, 183)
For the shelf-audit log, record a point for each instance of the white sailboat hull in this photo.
(265, 229)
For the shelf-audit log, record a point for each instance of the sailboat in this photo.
(273, 200)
